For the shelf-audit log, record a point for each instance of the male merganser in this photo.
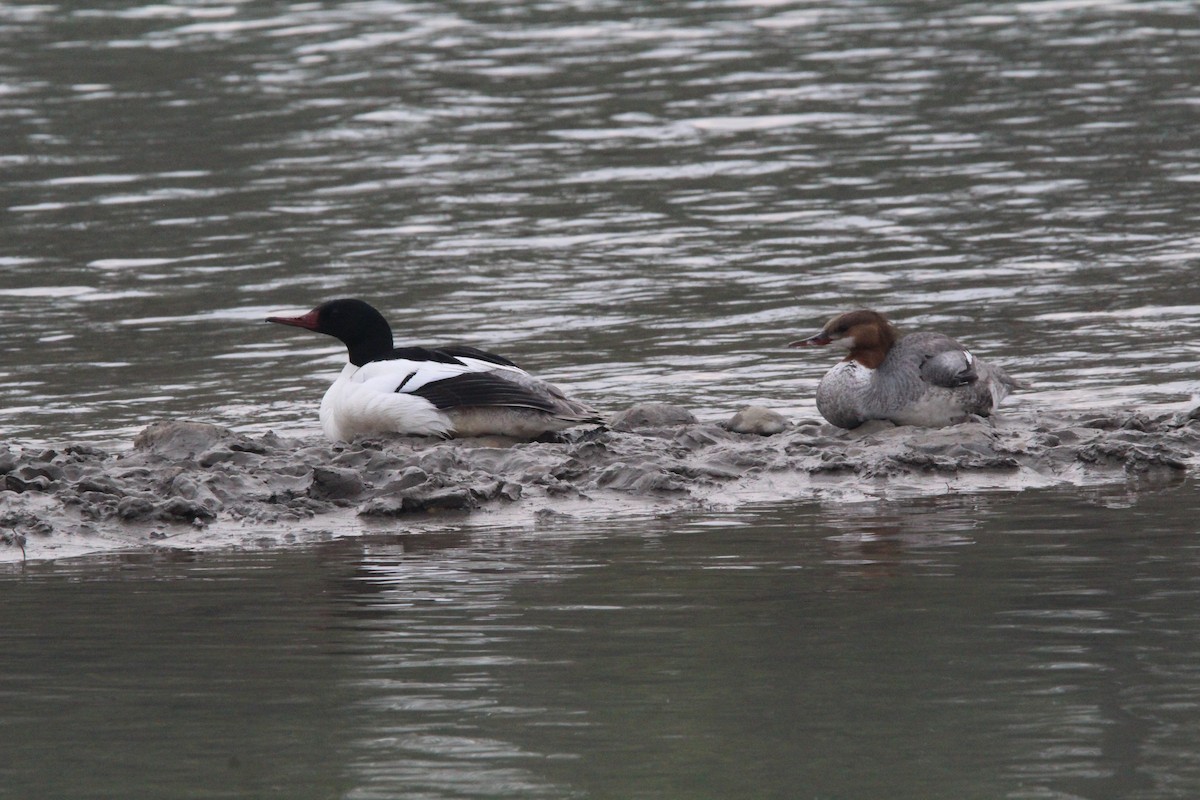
(429, 391)
(919, 379)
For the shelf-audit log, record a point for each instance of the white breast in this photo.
(364, 401)
(841, 392)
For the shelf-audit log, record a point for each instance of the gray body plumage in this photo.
(925, 379)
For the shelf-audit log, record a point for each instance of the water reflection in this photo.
(998, 645)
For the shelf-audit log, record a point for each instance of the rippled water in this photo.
(941, 648)
(641, 201)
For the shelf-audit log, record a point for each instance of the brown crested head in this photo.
(868, 335)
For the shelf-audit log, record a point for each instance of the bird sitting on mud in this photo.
(920, 379)
(451, 391)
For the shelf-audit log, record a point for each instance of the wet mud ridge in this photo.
(212, 482)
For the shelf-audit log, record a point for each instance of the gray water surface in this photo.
(1022, 646)
(640, 201)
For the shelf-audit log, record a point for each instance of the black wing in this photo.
(473, 352)
(482, 389)
(449, 354)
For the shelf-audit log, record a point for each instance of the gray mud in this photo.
(196, 484)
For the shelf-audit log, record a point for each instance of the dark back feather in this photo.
(482, 389)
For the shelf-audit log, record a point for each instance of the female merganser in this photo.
(919, 379)
(442, 391)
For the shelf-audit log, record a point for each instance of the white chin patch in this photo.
(843, 341)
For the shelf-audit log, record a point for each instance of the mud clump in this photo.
(335, 484)
(198, 475)
(179, 440)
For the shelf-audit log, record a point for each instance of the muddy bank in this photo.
(190, 483)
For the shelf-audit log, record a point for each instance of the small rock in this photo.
(652, 415)
(758, 420)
